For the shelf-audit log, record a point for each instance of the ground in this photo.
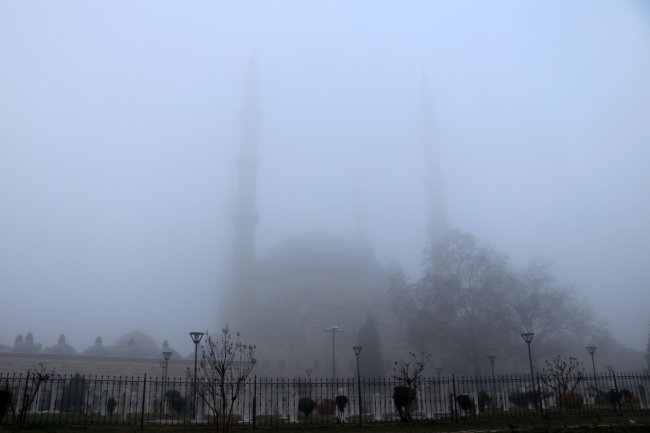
(579, 422)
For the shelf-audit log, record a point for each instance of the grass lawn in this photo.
(579, 422)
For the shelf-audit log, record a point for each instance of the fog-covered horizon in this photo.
(119, 128)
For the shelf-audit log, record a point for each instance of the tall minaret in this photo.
(359, 212)
(433, 180)
(245, 216)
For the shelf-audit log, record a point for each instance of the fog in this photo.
(119, 129)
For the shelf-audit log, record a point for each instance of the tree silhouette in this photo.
(371, 360)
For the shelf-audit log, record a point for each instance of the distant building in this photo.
(134, 353)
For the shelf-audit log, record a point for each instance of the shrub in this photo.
(306, 406)
(5, 396)
(341, 401)
(522, 399)
(484, 399)
(111, 404)
(614, 396)
(627, 397)
(570, 400)
(466, 403)
(402, 399)
(175, 401)
(74, 393)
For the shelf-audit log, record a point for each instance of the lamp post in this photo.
(592, 350)
(492, 358)
(196, 339)
(162, 386)
(309, 380)
(333, 330)
(528, 337)
(357, 351)
(166, 355)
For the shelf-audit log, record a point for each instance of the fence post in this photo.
(144, 392)
(454, 408)
(620, 408)
(541, 400)
(254, 400)
(25, 398)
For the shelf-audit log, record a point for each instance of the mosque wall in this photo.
(18, 363)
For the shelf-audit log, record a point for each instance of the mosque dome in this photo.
(135, 344)
(97, 349)
(313, 277)
(62, 348)
(27, 345)
(318, 253)
(139, 338)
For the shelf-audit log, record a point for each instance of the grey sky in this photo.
(119, 128)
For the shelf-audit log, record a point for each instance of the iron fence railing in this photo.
(84, 400)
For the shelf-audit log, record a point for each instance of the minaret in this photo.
(245, 216)
(433, 180)
(359, 213)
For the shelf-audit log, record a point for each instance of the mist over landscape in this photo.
(120, 125)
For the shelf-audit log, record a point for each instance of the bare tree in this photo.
(555, 313)
(35, 377)
(221, 375)
(563, 376)
(408, 372)
(460, 304)
(470, 302)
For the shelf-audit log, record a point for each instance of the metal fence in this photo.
(80, 400)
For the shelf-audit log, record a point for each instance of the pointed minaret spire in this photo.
(359, 212)
(433, 181)
(245, 216)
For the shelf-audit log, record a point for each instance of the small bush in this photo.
(524, 399)
(402, 398)
(5, 396)
(306, 406)
(614, 396)
(466, 403)
(341, 402)
(627, 397)
(175, 401)
(570, 400)
(111, 404)
(484, 400)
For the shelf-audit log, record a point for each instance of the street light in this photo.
(309, 380)
(357, 351)
(592, 350)
(163, 364)
(333, 329)
(166, 355)
(196, 339)
(492, 358)
(528, 337)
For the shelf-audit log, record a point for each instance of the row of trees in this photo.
(471, 303)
